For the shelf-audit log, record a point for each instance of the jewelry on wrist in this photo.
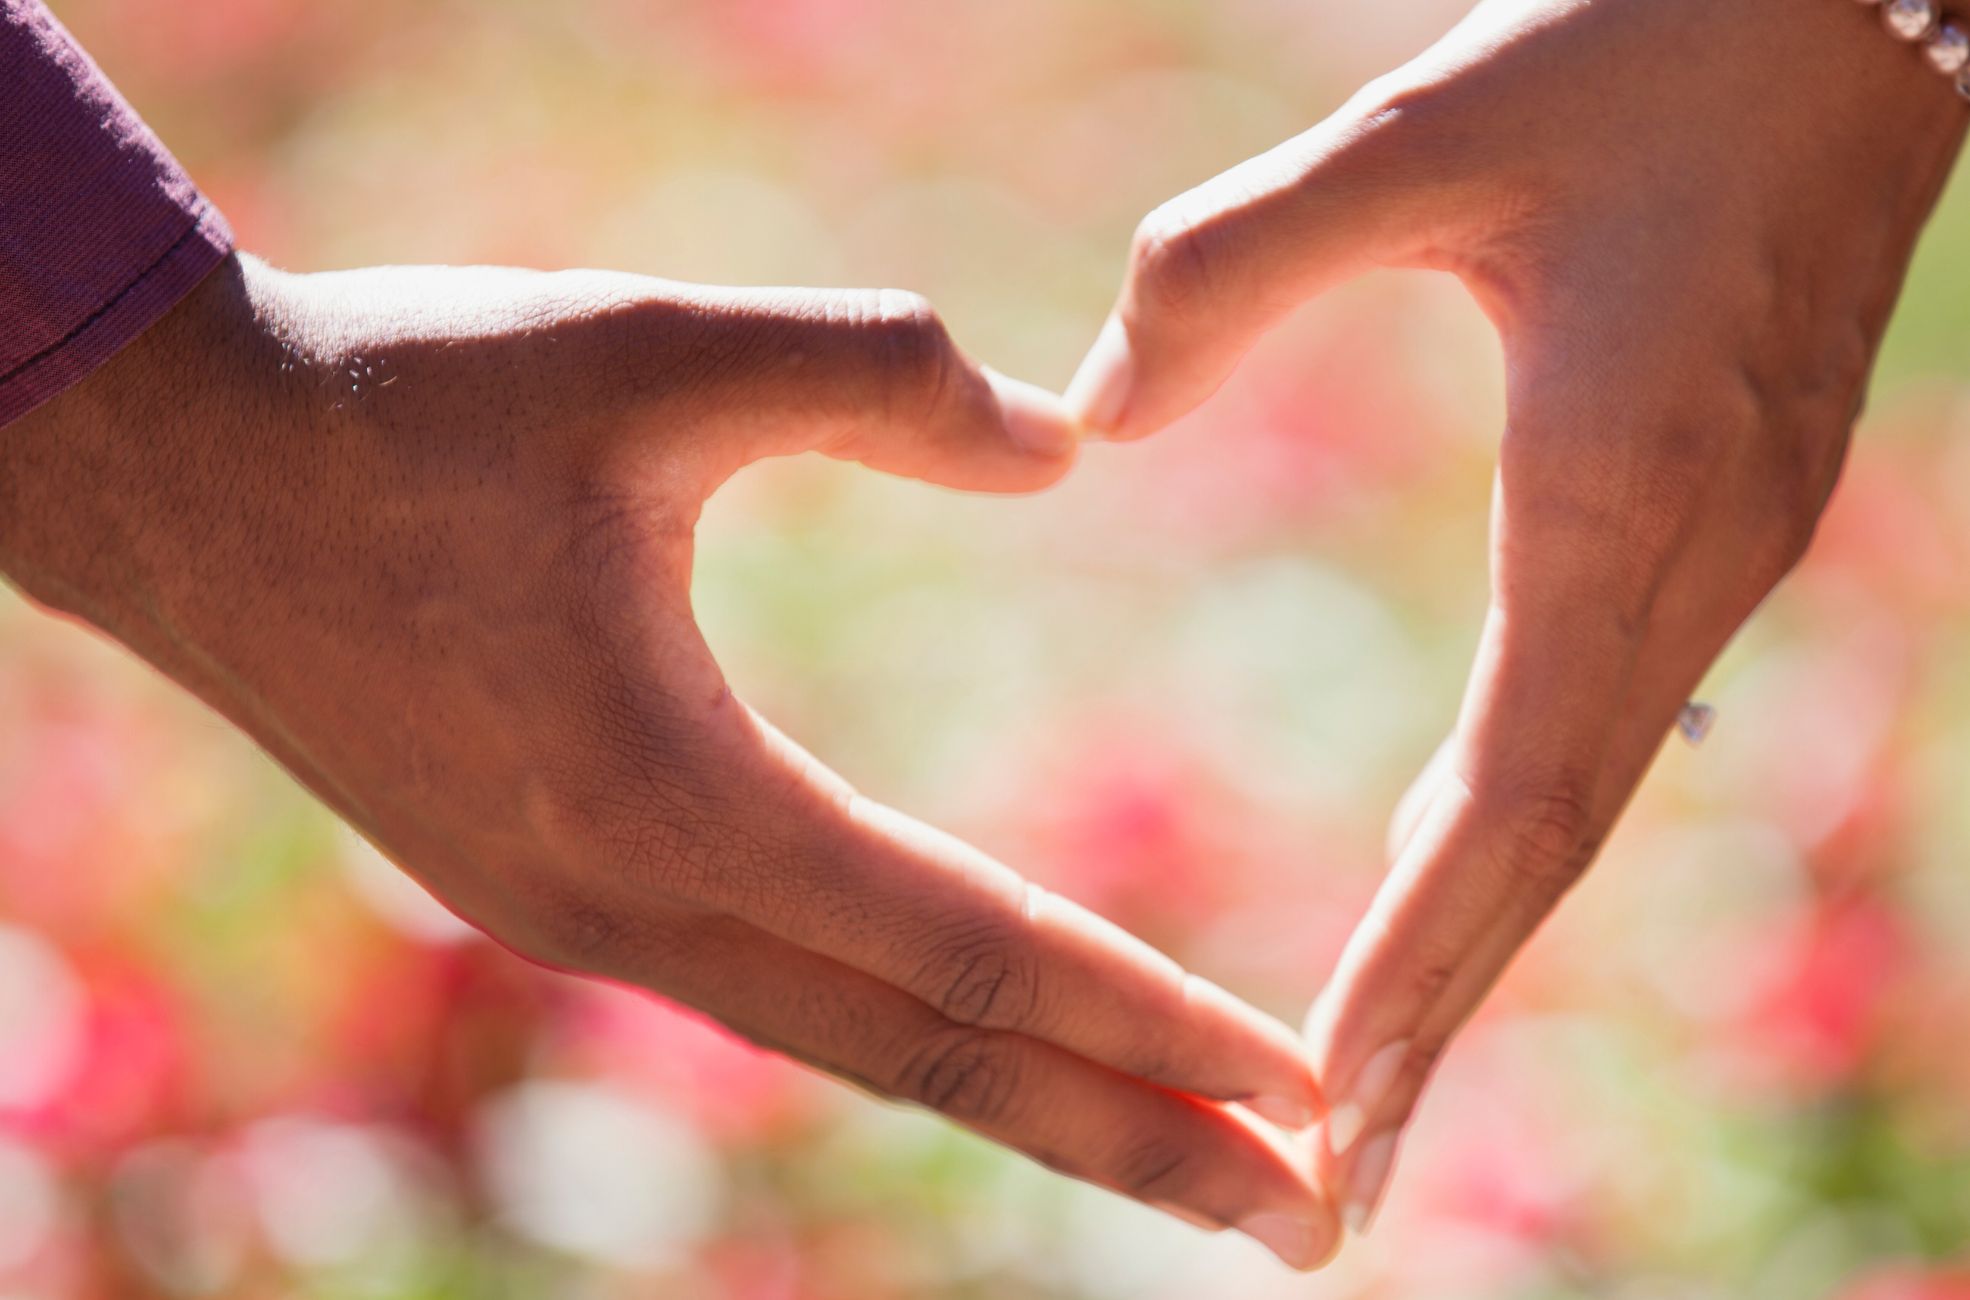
(1945, 43)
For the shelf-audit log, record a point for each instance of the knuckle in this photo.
(1781, 540)
(971, 1075)
(1156, 1168)
(976, 989)
(1428, 986)
(914, 351)
(1792, 428)
(1725, 405)
(1405, 103)
(1545, 832)
(979, 977)
(1170, 262)
(906, 317)
(1846, 362)
(1796, 492)
(1417, 1063)
(1420, 1061)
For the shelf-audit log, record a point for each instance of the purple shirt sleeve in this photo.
(101, 232)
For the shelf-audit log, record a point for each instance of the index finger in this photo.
(1509, 827)
(1214, 269)
(1203, 1162)
(887, 895)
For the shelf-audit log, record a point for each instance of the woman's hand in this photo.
(426, 535)
(1689, 222)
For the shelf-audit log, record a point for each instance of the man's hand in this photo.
(1689, 222)
(426, 535)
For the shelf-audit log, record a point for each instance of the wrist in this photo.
(108, 490)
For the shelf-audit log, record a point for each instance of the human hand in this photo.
(426, 534)
(1689, 223)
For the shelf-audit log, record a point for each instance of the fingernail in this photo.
(1285, 1236)
(1099, 392)
(1344, 1126)
(1284, 1111)
(1371, 1086)
(1189, 1216)
(1371, 1175)
(1035, 419)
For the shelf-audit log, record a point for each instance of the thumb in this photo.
(1214, 269)
(870, 376)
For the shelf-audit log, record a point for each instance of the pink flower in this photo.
(133, 1074)
(1832, 973)
(427, 1032)
(1123, 819)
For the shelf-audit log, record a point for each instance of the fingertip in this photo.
(1329, 1231)
(1290, 1113)
(1289, 1237)
(1036, 421)
(1335, 1240)
(1290, 1211)
(1344, 1125)
(1098, 395)
(1330, 1234)
(1305, 1238)
(1367, 1182)
(1284, 1088)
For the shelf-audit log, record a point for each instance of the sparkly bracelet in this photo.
(1944, 43)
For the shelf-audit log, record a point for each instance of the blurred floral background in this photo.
(241, 1057)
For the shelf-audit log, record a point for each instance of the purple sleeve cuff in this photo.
(101, 232)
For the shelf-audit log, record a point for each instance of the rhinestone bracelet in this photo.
(1944, 43)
